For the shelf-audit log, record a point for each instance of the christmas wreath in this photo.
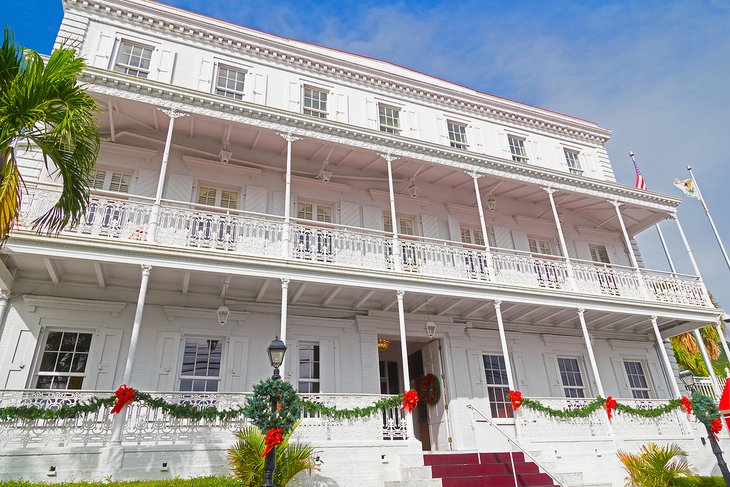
(429, 389)
(288, 406)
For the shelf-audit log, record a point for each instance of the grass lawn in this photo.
(199, 482)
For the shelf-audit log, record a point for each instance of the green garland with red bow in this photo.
(429, 389)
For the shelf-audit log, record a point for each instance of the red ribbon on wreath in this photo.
(609, 406)
(716, 427)
(124, 395)
(273, 437)
(686, 405)
(410, 399)
(516, 398)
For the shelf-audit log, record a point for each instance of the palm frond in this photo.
(10, 192)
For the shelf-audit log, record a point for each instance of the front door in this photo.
(438, 426)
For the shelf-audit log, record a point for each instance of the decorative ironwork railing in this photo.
(127, 217)
(146, 425)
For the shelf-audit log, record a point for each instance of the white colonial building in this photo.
(385, 223)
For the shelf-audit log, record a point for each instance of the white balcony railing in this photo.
(146, 425)
(126, 217)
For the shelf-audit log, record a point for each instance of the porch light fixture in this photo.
(324, 174)
(383, 344)
(412, 188)
(687, 379)
(225, 156)
(276, 352)
(491, 202)
(223, 312)
(430, 328)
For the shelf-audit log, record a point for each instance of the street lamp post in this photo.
(276, 352)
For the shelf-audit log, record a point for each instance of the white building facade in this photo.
(341, 203)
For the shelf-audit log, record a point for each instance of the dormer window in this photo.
(134, 59)
(517, 148)
(389, 119)
(457, 135)
(229, 82)
(315, 102)
(571, 159)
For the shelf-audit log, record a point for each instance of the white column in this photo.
(483, 222)
(404, 354)
(561, 237)
(155, 216)
(397, 262)
(718, 327)
(286, 230)
(284, 309)
(708, 362)
(665, 359)
(591, 356)
(137, 323)
(503, 342)
(692, 260)
(630, 248)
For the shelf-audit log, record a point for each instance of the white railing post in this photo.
(632, 255)
(563, 247)
(284, 309)
(137, 323)
(286, 235)
(397, 259)
(692, 260)
(155, 215)
(483, 223)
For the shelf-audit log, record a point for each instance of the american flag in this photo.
(640, 182)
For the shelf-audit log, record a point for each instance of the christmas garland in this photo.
(429, 389)
(333, 412)
(288, 405)
(65, 411)
(704, 408)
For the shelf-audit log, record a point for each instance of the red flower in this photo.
(124, 395)
(273, 437)
(686, 405)
(609, 406)
(516, 398)
(410, 399)
(716, 427)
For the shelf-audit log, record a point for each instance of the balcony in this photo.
(186, 225)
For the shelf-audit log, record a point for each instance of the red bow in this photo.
(273, 438)
(609, 406)
(124, 395)
(410, 399)
(716, 427)
(686, 405)
(516, 398)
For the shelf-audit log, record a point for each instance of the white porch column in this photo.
(707, 361)
(718, 327)
(397, 260)
(691, 256)
(483, 223)
(630, 248)
(503, 342)
(665, 359)
(404, 355)
(155, 216)
(286, 230)
(284, 309)
(561, 237)
(137, 323)
(591, 356)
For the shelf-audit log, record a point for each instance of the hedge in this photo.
(199, 482)
(699, 481)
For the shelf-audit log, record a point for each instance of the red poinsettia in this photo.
(410, 399)
(609, 406)
(273, 437)
(516, 398)
(686, 405)
(716, 427)
(124, 395)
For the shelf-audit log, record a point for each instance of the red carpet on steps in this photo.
(485, 469)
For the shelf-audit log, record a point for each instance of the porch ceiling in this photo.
(129, 122)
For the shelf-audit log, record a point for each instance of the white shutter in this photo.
(551, 367)
(327, 366)
(582, 250)
(442, 130)
(476, 364)
(178, 187)
(102, 368)
(205, 75)
(166, 355)
(412, 124)
(166, 65)
(477, 144)
(520, 240)
(372, 217)
(146, 183)
(621, 379)
(294, 95)
(654, 377)
(371, 112)
(502, 237)
(256, 199)
(20, 358)
(236, 360)
(259, 88)
(277, 203)
(454, 229)
(342, 113)
(518, 372)
(430, 226)
(350, 214)
(291, 362)
(103, 50)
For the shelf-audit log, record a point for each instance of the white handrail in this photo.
(512, 441)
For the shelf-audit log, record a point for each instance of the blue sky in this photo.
(656, 73)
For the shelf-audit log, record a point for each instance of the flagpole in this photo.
(709, 217)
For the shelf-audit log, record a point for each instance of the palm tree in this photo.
(42, 105)
(655, 466)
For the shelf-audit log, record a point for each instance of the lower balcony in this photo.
(196, 226)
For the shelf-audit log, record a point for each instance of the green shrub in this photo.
(199, 482)
(698, 481)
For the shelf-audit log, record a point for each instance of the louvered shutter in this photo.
(178, 187)
(372, 217)
(430, 226)
(454, 229)
(503, 237)
(145, 183)
(255, 200)
(350, 214)
(277, 203)
(521, 241)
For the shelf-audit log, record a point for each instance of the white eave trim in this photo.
(34, 301)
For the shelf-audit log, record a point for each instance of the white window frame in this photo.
(453, 142)
(232, 67)
(390, 129)
(218, 195)
(318, 379)
(522, 156)
(472, 233)
(40, 349)
(179, 376)
(581, 370)
(539, 240)
(120, 40)
(316, 206)
(572, 161)
(108, 176)
(401, 218)
(507, 419)
(324, 114)
(598, 248)
(647, 376)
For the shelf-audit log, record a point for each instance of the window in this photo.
(539, 246)
(497, 386)
(111, 181)
(389, 119)
(223, 198)
(229, 82)
(606, 277)
(571, 378)
(134, 59)
(457, 135)
(599, 253)
(472, 236)
(406, 226)
(315, 212)
(517, 148)
(637, 380)
(389, 378)
(309, 367)
(201, 364)
(571, 159)
(63, 361)
(315, 102)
